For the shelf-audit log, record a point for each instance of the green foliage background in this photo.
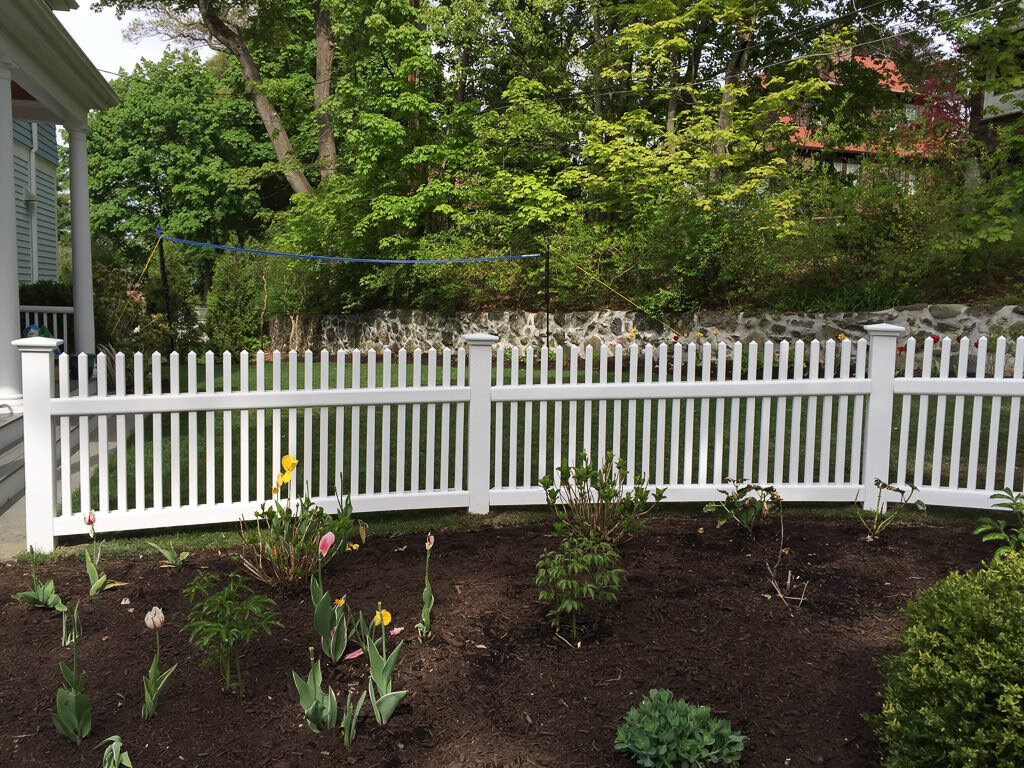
(640, 145)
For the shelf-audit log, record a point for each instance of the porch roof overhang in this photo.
(52, 78)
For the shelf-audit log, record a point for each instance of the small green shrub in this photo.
(594, 498)
(577, 578)
(953, 695)
(222, 623)
(746, 505)
(665, 732)
(994, 529)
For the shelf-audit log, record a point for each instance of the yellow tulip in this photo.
(288, 464)
(379, 616)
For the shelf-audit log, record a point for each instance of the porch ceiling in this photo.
(53, 80)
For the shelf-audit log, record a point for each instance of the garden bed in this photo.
(495, 686)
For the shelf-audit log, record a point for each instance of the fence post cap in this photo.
(480, 338)
(37, 344)
(884, 329)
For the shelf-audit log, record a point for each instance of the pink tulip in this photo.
(155, 618)
(326, 541)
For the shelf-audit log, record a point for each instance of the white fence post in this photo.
(39, 443)
(878, 423)
(478, 450)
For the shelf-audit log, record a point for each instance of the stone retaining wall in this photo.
(411, 328)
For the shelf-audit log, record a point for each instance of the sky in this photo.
(100, 36)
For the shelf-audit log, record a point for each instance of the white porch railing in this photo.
(193, 441)
(59, 321)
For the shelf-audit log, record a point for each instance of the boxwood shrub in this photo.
(953, 695)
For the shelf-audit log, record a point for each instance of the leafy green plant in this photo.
(284, 545)
(330, 620)
(349, 716)
(172, 559)
(665, 732)
(319, 706)
(995, 529)
(745, 505)
(70, 626)
(98, 582)
(593, 497)
(154, 681)
(114, 756)
(41, 595)
(222, 623)
(423, 626)
(884, 515)
(383, 700)
(953, 694)
(578, 577)
(73, 717)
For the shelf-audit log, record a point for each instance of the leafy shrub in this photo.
(953, 695)
(665, 732)
(593, 498)
(282, 546)
(745, 505)
(222, 623)
(578, 577)
(994, 529)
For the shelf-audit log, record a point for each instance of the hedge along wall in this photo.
(395, 329)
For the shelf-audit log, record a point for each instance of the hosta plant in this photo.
(665, 732)
(746, 505)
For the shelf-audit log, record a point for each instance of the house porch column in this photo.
(10, 315)
(81, 243)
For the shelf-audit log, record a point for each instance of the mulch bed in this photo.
(495, 687)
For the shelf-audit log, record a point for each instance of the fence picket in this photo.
(645, 433)
(1011, 433)
(528, 477)
(716, 467)
(174, 368)
(857, 442)
(228, 463)
(371, 425)
(826, 413)
(780, 416)
(811, 429)
(103, 437)
(158, 437)
(403, 371)
(796, 415)
(748, 442)
(65, 441)
(981, 366)
(325, 383)
(243, 432)
(446, 381)
(385, 426)
(120, 388)
(734, 411)
(659, 460)
(513, 420)
(677, 408)
(940, 416)
(460, 424)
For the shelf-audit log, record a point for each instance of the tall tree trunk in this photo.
(327, 149)
(597, 63)
(734, 68)
(673, 94)
(282, 144)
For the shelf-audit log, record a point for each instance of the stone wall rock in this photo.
(394, 329)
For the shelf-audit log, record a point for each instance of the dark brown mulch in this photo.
(495, 687)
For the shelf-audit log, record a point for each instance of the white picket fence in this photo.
(59, 321)
(162, 446)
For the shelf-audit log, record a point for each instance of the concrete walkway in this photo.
(12, 530)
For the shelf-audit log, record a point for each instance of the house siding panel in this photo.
(23, 132)
(22, 231)
(46, 222)
(47, 133)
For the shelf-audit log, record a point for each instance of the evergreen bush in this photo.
(953, 695)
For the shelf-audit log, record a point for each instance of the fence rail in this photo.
(196, 440)
(59, 321)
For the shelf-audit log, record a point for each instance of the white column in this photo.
(878, 430)
(10, 317)
(478, 450)
(81, 244)
(40, 463)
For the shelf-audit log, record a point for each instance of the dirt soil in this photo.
(495, 687)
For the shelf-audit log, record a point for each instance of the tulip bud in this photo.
(326, 542)
(90, 518)
(155, 618)
(430, 541)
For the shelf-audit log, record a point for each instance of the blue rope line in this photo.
(162, 236)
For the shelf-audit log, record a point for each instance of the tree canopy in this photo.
(672, 151)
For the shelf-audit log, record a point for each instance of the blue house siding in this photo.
(35, 224)
(46, 223)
